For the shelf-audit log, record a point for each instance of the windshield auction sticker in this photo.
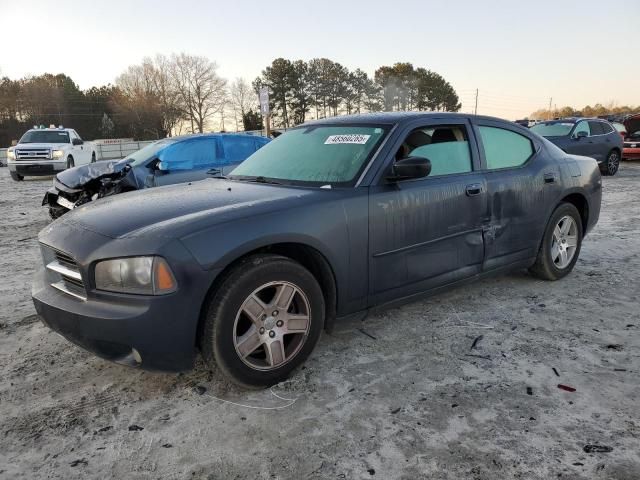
(352, 138)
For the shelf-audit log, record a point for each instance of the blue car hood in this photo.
(177, 210)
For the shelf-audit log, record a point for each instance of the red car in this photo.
(631, 150)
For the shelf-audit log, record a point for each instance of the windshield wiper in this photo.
(261, 179)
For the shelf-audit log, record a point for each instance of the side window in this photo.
(606, 127)
(596, 128)
(582, 127)
(238, 148)
(446, 146)
(191, 154)
(504, 148)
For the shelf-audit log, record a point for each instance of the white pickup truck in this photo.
(46, 151)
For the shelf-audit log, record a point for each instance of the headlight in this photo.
(140, 275)
(11, 155)
(57, 153)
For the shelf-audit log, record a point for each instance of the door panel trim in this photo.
(428, 242)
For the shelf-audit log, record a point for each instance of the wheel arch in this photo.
(308, 256)
(579, 201)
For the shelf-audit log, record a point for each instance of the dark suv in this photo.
(591, 137)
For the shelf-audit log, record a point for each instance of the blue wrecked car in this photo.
(168, 161)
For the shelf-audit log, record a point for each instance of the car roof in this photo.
(391, 118)
(180, 138)
(575, 120)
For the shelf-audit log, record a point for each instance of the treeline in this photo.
(320, 88)
(180, 93)
(598, 110)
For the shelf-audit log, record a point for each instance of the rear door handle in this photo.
(473, 189)
(549, 178)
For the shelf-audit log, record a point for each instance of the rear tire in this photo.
(16, 176)
(611, 164)
(263, 321)
(560, 246)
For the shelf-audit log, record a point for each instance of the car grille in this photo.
(33, 154)
(63, 272)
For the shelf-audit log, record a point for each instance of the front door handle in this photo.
(473, 189)
(549, 178)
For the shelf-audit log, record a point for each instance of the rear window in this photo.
(504, 148)
(596, 128)
(606, 127)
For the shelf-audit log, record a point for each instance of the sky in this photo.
(518, 55)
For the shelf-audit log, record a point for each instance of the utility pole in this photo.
(475, 110)
(550, 116)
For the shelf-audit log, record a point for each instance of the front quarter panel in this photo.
(335, 226)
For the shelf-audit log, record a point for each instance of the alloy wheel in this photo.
(564, 242)
(272, 325)
(612, 163)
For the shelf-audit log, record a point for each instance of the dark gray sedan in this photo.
(592, 137)
(333, 219)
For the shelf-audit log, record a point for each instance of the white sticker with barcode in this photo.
(352, 138)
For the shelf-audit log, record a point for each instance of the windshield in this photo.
(557, 129)
(324, 154)
(635, 134)
(45, 136)
(151, 150)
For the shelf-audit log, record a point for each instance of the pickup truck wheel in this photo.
(70, 162)
(560, 245)
(611, 164)
(16, 176)
(93, 157)
(263, 321)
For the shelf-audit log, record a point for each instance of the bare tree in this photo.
(202, 91)
(242, 99)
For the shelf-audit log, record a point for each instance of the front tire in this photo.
(560, 245)
(263, 321)
(17, 177)
(611, 164)
(93, 157)
(70, 162)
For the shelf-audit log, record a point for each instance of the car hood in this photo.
(77, 177)
(177, 210)
(52, 146)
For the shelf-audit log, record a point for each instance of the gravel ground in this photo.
(463, 385)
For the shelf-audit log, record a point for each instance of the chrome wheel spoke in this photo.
(275, 353)
(557, 234)
(254, 308)
(566, 225)
(563, 258)
(249, 342)
(555, 251)
(572, 241)
(284, 296)
(297, 323)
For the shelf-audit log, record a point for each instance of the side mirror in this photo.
(77, 141)
(410, 167)
(162, 166)
(581, 134)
